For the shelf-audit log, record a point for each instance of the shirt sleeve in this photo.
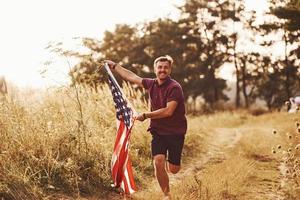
(147, 82)
(176, 94)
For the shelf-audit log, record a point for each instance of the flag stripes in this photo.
(122, 174)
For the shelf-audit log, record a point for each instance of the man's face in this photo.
(162, 69)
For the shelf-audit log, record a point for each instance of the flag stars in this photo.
(123, 112)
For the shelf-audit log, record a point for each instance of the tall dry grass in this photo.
(248, 169)
(63, 143)
(221, 181)
(58, 143)
(287, 150)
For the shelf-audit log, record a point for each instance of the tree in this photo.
(209, 45)
(284, 69)
(194, 41)
(126, 46)
(171, 37)
(290, 11)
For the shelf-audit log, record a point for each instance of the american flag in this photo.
(120, 164)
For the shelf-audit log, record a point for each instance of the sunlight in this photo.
(258, 5)
(27, 28)
(33, 24)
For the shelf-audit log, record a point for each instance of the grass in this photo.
(61, 144)
(246, 170)
(221, 181)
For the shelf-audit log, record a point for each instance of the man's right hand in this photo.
(111, 64)
(124, 73)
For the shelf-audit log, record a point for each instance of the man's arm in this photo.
(125, 73)
(160, 113)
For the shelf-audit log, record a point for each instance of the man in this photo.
(168, 123)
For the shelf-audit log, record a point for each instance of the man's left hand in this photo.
(141, 117)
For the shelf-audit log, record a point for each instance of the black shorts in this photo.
(169, 145)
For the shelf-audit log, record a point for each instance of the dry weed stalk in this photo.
(41, 143)
(289, 154)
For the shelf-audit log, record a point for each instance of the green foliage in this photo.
(291, 12)
(202, 41)
(280, 76)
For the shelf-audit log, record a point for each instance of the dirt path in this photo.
(220, 145)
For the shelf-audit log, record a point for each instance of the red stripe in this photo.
(115, 168)
(118, 171)
(126, 189)
(119, 133)
(122, 163)
(123, 154)
(130, 175)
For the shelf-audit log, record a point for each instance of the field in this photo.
(59, 146)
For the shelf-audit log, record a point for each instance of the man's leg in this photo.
(161, 174)
(174, 169)
(175, 146)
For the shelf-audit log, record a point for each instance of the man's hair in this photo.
(163, 59)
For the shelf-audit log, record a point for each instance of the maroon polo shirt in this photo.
(159, 95)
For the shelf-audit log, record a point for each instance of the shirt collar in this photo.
(164, 83)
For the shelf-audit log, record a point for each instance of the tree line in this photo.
(208, 36)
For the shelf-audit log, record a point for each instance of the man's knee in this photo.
(174, 169)
(159, 161)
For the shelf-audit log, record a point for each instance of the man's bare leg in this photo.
(174, 169)
(161, 174)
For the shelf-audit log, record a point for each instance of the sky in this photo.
(28, 26)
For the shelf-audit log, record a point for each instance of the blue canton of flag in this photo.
(122, 110)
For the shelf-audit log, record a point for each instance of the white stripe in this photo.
(116, 152)
(122, 138)
(122, 186)
(113, 160)
(131, 190)
(117, 149)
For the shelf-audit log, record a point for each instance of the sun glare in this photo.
(29, 27)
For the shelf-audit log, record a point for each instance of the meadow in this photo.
(59, 146)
